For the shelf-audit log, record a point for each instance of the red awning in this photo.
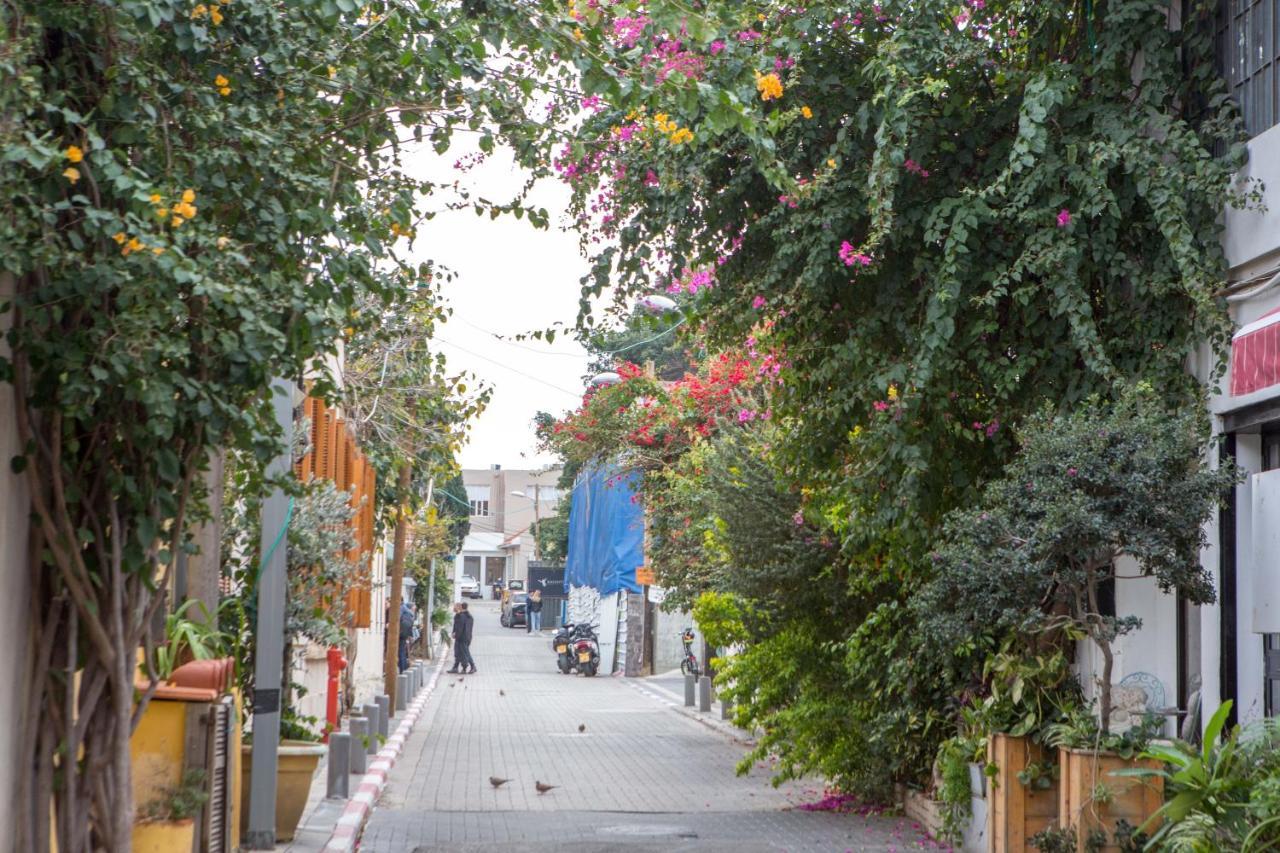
(1255, 355)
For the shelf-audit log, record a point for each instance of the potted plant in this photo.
(1103, 485)
(166, 824)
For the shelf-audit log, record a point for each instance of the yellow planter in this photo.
(164, 836)
(295, 767)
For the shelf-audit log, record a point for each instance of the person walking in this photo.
(407, 619)
(533, 611)
(462, 624)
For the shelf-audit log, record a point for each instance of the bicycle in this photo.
(689, 666)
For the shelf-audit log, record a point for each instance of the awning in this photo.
(1255, 355)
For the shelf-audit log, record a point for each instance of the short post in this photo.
(338, 781)
(704, 694)
(384, 714)
(402, 691)
(690, 689)
(359, 733)
(726, 708)
(371, 713)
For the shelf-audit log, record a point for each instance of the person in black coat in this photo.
(462, 625)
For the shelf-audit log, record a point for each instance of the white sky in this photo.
(510, 278)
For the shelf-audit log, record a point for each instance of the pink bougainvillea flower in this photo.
(851, 256)
(745, 416)
(716, 47)
(1071, 472)
(591, 102)
(881, 406)
(629, 30)
(758, 303)
(650, 178)
(748, 35)
(798, 518)
(1064, 218)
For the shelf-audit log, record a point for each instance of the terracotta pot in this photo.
(1015, 811)
(1128, 798)
(164, 836)
(204, 674)
(295, 767)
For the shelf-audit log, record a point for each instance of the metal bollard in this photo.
(372, 712)
(690, 689)
(412, 673)
(384, 714)
(704, 694)
(402, 692)
(359, 732)
(338, 782)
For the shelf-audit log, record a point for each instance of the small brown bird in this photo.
(497, 782)
(543, 787)
(582, 727)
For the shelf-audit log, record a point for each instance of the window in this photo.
(478, 498)
(1271, 673)
(1247, 45)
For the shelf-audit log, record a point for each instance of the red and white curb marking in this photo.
(347, 831)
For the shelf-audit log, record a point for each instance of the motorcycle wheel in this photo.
(566, 665)
(589, 669)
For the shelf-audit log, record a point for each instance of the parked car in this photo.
(513, 611)
(469, 587)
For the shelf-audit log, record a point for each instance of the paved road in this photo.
(641, 777)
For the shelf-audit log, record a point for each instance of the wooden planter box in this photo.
(1131, 799)
(1015, 812)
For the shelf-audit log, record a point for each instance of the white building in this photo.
(505, 505)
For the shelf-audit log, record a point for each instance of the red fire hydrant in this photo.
(337, 663)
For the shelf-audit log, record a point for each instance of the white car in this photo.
(469, 587)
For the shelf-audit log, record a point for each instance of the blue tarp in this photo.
(606, 532)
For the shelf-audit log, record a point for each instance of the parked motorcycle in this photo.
(577, 648)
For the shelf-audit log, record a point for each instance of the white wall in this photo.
(13, 604)
(1251, 234)
(366, 660)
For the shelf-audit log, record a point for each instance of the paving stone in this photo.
(640, 777)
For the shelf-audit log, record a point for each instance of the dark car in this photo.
(513, 610)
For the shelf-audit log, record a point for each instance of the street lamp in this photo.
(537, 546)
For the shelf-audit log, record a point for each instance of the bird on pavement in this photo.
(582, 727)
(543, 787)
(497, 782)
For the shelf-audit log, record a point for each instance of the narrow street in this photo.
(639, 777)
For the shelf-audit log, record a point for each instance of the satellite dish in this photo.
(603, 380)
(656, 304)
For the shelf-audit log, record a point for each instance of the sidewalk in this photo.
(321, 815)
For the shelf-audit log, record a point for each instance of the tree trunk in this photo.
(391, 667)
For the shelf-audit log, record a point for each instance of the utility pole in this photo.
(268, 672)
(431, 606)
(537, 543)
(391, 655)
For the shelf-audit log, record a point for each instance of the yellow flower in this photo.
(158, 250)
(893, 392)
(215, 16)
(71, 173)
(74, 154)
(162, 212)
(660, 118)
(831, 163)
(199, 11)
(118, 237)
(769, 85)
(176, 221)
(681, 135)
(185, 210)
(760, 17)
(220, 81)
(223, 242)
(806, 112)
(578, 35)
(188, 196)
(224, 91)
(332, 71)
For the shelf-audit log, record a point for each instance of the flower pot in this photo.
(1015, 811)
(1090, 797)
(296, 764)
(164, 836)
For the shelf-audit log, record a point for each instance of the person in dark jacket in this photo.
(462, 624)
(406, 634)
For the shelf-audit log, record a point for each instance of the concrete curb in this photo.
(346, 833)
(676, 703)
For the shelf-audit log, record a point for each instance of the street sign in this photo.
(644, 576)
